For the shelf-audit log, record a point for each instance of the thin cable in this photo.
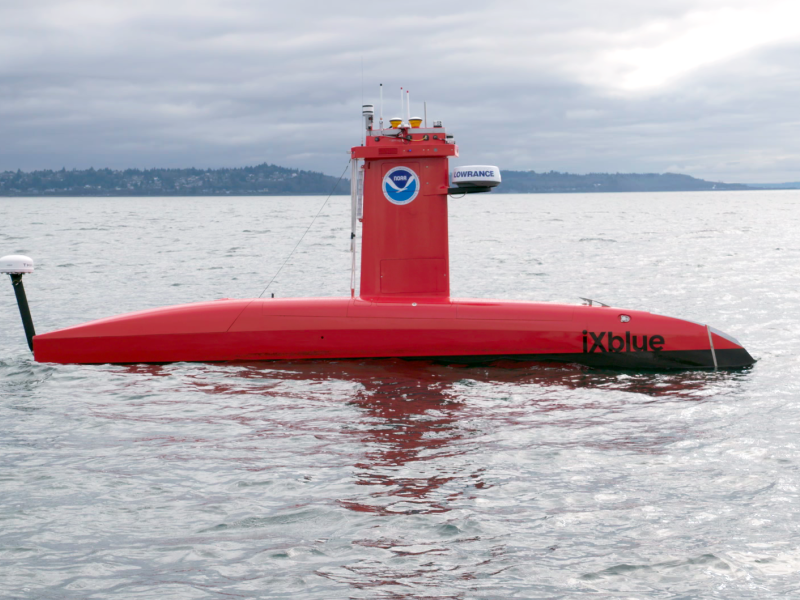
(306, 231)
(353, 276)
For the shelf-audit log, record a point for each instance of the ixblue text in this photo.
(606, 341)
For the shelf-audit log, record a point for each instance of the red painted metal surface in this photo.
(272, 329)
(404, 308)
(404, 249)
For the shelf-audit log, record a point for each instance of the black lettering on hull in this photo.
(606, 341)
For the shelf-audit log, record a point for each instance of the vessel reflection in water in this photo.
(416, 478)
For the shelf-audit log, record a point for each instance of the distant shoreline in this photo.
(273, 180)
(498, 190)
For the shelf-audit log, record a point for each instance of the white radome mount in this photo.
(475, 178)
(17, 265)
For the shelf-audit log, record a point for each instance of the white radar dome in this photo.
(16, 264)
(476, 176)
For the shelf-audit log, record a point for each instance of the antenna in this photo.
(401, 103)
(408, 105)
(381, 108)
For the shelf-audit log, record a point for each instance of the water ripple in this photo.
(405, 479)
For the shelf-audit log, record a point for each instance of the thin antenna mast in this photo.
(381, 107)
(353, 225)
(402, 105)
(408, 106)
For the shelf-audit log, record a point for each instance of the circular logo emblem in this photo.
(400, 185)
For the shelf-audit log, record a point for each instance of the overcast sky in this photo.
(710, 88)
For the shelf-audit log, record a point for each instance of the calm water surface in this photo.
(394, 479)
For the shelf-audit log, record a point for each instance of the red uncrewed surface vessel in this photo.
(401, 182)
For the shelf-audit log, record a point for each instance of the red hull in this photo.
(454, 330)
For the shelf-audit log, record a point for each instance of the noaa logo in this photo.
(400, 185)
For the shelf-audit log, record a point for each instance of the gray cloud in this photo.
(578, 86)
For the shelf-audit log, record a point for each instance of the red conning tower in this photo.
(404, 251)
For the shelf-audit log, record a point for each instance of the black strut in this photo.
(24, 310)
